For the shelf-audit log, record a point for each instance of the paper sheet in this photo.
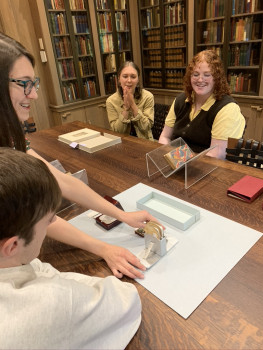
(204, 255)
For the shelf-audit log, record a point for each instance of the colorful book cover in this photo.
(178, 156)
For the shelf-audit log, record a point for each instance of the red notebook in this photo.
(247, 189)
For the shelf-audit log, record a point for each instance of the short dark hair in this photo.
(28, 191)
(137, 92)
(221, 86)
(11, 132)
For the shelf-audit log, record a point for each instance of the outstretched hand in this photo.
(122, 262)
(138, 218)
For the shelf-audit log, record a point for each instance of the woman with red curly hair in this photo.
(205, 114)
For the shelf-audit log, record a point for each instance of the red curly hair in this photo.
(215, 64)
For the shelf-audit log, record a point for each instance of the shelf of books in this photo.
(163, 42)
(115, 39)
(234, 30)
(210, 25)
(71, 36)
(245, 46)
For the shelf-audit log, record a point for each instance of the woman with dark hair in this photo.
(18, 88)
(205, 114)
(131, 109)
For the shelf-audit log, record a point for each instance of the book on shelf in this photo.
(120, 4)
(77, 4)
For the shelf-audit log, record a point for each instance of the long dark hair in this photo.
(11, 132)
(137, 92)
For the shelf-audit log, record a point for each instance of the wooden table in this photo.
(231, 317)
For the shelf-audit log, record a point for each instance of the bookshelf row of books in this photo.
(66, 69)
(58, 23)
(80, 24)
(77, 4)
(123, 41)
(55, 4)
(242, 82)
(104, 20)
(174, 36)
(174, 14)
(217, 49)
(89, 88)
(244, 55)
(212, 32)
(70, 91)
(152, 58)
(102, 4)
(63, 47)
(174, 79)
(86, 66)
(175, 58)
(151, 18)
(248, 28)
(83, 45)
(211, 9)
(111, 83)
(154, 79)
(120, 4)
(124, 56)
(121, 21)
(59, 4)
(106, 42)
(246, 6)
(109, 63)
(151, 39)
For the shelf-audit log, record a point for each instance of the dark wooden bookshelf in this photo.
(72, 40)
(163, 33)
(234, 30)
(113, 22)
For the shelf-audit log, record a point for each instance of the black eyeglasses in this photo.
(27, 84)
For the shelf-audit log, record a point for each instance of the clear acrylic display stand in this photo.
(81, 175)
(195, 168)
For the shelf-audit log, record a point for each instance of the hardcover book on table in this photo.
(247, 189)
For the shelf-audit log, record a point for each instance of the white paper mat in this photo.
(204, 255)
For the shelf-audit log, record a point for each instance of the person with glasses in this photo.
(205, 114)
(18, 89)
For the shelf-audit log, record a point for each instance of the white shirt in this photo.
(42, 308)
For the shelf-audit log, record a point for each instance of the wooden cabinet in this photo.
(93, 113)
(72, 41)
(163, 31)
(234, 30)
(253, 112)
(113, 22)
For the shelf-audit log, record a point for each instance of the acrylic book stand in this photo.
(196, 167)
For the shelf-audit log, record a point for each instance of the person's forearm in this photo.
(64, 232)
(164, 140)
(78, 192)
(134, 109)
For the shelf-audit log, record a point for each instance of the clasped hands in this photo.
(128, 98)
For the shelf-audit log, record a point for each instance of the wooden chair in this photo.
(160, 113)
